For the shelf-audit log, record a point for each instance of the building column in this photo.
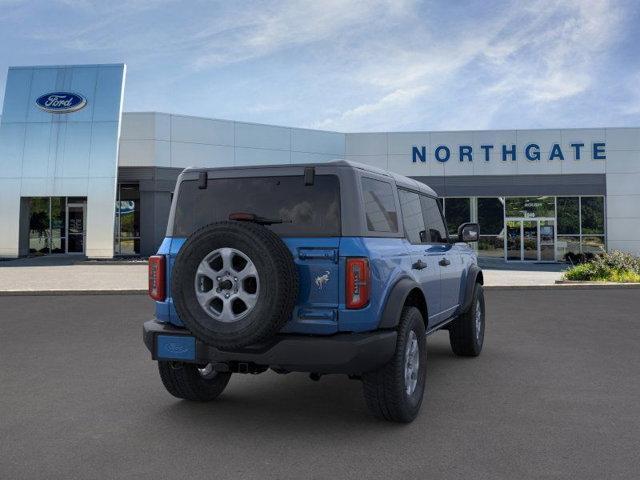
(623, 190)
(101, 211)
(9, 217)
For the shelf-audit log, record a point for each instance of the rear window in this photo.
(306, 211)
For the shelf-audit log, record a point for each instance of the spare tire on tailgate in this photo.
(234, 284)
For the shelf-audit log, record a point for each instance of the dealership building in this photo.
(80, 176)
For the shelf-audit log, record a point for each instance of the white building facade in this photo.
(537, 194)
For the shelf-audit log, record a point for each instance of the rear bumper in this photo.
(349, 353)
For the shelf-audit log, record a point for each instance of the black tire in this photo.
(183, 380)
(465, 335)
(277, 289)
(385, 390)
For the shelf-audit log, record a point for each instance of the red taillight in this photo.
(357, 282)
(156, 278)
(241, 216)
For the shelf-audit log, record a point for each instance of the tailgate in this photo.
(316, 259)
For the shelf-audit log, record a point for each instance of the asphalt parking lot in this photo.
(555, 394)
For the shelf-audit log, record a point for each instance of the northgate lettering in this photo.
(531, 152)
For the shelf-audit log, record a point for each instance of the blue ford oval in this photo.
(61, 102)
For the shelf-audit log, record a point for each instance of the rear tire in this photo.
(466, 333)
(395, 391)
(188, 381)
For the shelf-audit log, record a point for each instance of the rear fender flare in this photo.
(396, 300)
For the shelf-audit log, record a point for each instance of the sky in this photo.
(351, 66)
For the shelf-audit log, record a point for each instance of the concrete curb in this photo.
(111, 262)
(564, 286)
(18, 293)
(581, 282)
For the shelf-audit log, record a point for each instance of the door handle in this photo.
(444, 262)
(419, 265)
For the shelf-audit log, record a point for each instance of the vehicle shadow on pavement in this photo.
(294, 403)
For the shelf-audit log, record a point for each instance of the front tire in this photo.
(190, 382)
(466, 333)
(395, 392)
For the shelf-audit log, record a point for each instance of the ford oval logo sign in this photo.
(61, 102)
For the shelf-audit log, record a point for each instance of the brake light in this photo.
(242, 216)
(357, 282)
(156, 278)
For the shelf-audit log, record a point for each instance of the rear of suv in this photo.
(326, 268)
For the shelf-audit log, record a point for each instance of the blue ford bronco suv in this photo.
(322, 268)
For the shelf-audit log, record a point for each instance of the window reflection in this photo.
(592, 212)
(530, 207)
(456, 211)
(568, 215)
(48, 228)
(567, 244)
(580, 223)
(491, 215)
(127, 220)
(593, 244)
(491, 246)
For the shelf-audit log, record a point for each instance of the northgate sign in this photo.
(531, 152)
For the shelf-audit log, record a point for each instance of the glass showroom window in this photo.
(592, 223)
(568, 226)
(47, 232)
(491, 220)
(580, 225)
(530, 207)
(58, 221)
(456, 211)
(39, 225)
(127, 228)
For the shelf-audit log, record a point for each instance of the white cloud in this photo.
(534, 55)
(286, 24)
(550, 57)
(398, 98)
(631, 104)
(350, 64)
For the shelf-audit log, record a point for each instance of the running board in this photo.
(440, 325)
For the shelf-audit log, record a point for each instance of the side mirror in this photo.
(469, 232)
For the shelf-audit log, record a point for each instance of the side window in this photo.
(379, 206)
(436, 231)
(412, 216)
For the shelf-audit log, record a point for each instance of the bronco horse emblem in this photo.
(321, 280)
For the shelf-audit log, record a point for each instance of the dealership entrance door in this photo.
(55, 225)
(530, 239)
(76, 220)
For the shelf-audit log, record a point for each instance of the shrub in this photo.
(617, 260)
(582, 271)
(578, 258)
(615, 266)
(624, 277)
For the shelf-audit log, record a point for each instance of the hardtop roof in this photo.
(400, 180)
